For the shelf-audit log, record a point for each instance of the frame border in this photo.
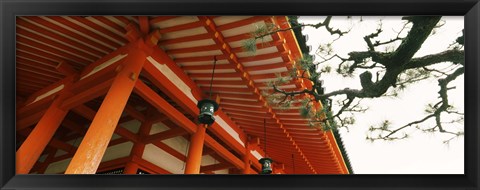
(9, 9)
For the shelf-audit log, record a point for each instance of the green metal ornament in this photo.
(207, 109)
(266, 165)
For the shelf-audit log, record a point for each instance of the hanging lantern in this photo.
(207, 109)
(266, 165)
(207, 106)
(266, 162)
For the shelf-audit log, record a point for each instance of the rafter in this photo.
(219, 40)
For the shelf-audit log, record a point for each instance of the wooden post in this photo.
(90, 152)
(246, 159)
(31, 149)
(194, 158)
(137, 150)
(131, 168)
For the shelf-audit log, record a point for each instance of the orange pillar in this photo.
(90, 152)
(246, 159)
(194, 158)
(137, 150)
(130, 168)
(33, 146)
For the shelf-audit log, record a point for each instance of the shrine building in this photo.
(120, 95)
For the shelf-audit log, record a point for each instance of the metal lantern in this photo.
(266, 165)
(266, 162)
(207, 109)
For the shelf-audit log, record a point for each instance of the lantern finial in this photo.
(207, 109)
(266, 165)
(207, 106)
(266, 162)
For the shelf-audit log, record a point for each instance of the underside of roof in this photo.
(51, 48)
(302, 42)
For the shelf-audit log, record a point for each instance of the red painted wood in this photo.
(194, 158)
(33, 146)
(90, 152)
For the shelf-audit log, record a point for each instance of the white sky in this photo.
(422, 153)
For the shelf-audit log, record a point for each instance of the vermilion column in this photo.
(90, 152)
(33, 146)
(130, 168)
(246, 159)
(194, 158)
(138, 148)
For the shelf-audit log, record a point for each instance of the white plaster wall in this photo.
(58, 167)
(48, 93)
(117, 151)
(224, 171)
(133, 126)
(163, 159)
(168, 162)
(208, 160)
(256, 154)
(164, 69)
(60, 153)
(158, 127)
(42, 158)
(104, 65)
(178, 143)
(115, 136)
(112, 153)
(229, 129)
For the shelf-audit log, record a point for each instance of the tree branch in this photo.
(440, 107)
(325, 23)
(396, 68)
(455, 56)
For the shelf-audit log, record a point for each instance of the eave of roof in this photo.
(302, 43)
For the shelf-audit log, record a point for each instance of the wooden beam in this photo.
(246, 159)
(181, 27)
(163, 106)
(62, 145)
(233, 59)
(94, 144)
(170, 150)
(193, 49)
(112, 164)
(138, 149)
(194, 158)
(144, 24)
(74, 126)
(184, 39)
(126, 133)
(222, 151)
(97, 38)
(135, 113)
(87, 95)
(165, 135)
(29, 120)
(149, 165)
(66, 69)
(243, 22)
(161, 81)
(23, 22)
(33, 146)
(161, 19)
(215, 167)
(48, 160)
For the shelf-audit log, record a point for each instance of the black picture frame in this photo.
(9, 9)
